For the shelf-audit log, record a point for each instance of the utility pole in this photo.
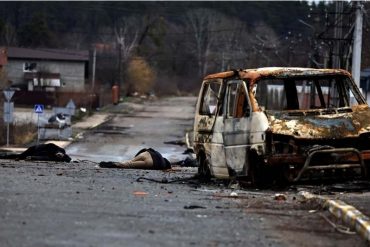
(119, 65)
(335, 36)
(357, 44)
(338, 35)
(93, 68)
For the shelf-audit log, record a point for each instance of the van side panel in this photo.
(259, 125)
(217, 151)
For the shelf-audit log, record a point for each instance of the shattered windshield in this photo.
(304, 93)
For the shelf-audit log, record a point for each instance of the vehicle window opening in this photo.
(319, 92)
(270, 94)
(304, 93)
(238, 105)
(343, 94)
(231, 99)
(329, 91)
(242, 108)
(210, 98)
(291, 95)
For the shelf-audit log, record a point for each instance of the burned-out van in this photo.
(291, 122)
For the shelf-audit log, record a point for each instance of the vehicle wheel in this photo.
(286, 175)
(255, 170)
(283, 175)
(204, 172)
(259, 174)
(366, 173)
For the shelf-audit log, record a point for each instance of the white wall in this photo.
(71, 73)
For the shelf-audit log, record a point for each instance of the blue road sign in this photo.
(39, 108)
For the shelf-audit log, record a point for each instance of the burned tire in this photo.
(256, 175)
(204, 172)
(366, 171)
(260, 175)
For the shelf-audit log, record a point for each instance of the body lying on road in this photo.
(146, 158)
(42, 152)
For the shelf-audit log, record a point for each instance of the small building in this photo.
(49, 76)
(47, 70)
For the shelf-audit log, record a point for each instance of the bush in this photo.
(140, 76)
(19, 134)
(24, 133)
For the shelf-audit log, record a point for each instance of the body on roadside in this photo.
(146, 158)
(41, 152)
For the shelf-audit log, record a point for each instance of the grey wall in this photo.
(72, 74)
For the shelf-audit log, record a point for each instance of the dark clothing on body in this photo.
(46, 152)
(159, 162)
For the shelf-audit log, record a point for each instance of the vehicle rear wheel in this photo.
(255, 170)
(366, 173)
(204, 172)
(260, 175)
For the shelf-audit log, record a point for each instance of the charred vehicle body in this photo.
(291, 122)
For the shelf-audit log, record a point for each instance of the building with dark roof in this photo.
(47, 70)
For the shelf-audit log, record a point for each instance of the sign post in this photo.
(8, 112)
(71, 107)
(39, 109)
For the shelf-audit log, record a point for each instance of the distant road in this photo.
(135, 126)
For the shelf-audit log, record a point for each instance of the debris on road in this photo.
(176, 142)
(187, 162)
(194, 207)
(202, 216)
(339, 228)
(234, 194)
(344, 212)
(280, 197)
(140, 193)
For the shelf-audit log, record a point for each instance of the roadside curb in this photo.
(92, 121)
(347, 213)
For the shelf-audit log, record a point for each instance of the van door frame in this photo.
(208, 134)
(237, 131)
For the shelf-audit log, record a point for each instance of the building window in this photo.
(29, 67)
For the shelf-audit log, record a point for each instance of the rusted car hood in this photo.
(332, 126)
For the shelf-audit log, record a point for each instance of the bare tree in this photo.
(267, 46)
(203, 24)
(231, 42)
(126, 34)
(10, 35)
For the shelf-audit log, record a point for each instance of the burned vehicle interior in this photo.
(334, 147)
(314, 122)
(304, 94)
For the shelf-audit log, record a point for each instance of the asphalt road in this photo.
(134, 126)
(77, 204)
